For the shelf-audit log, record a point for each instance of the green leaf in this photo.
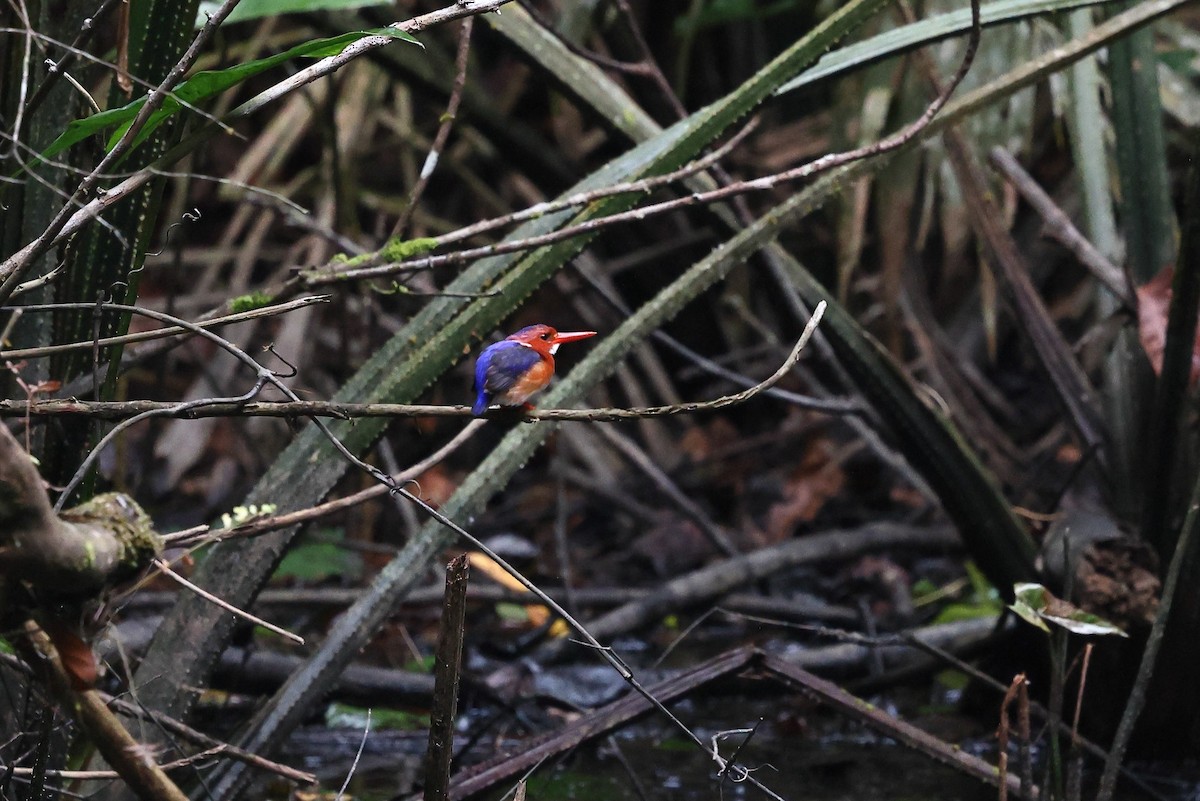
(314, 561)
(932, 29)
(1038, 606)
(1029, 597)
(953, 680)
(201, 86)
(256, 9)
(512, 613)
(1179, 60)
(347, 716)
(424, 664)
(983, 601)
(953, 613)
(980, 586)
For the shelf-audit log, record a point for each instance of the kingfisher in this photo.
(515, 369)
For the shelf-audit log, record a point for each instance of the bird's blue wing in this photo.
(507, 362)
(498, 369)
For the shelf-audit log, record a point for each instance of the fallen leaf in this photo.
(536, 614)
(1037, 606)
(812, 483)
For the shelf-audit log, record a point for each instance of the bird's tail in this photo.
(482, 401)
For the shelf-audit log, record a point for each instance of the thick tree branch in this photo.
(105, 540)
(129, 757)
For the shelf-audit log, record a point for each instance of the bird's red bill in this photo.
(571, 336)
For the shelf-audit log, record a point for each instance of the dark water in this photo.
(799, 751)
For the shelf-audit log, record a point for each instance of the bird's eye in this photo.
(546, 336)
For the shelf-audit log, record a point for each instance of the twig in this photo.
(643, 185)
(357, 756)
(13, 268)
(732, 763)
(75, 50)
(1075, 757)
(642, 461)
(124, 707)
(160, 333)
(1060, 227)
(40, 281)
(204, 534)
(654, 71)
(166, 570)
(443, 132)
(1002, 735)
(66, 223)
(647, 67)
(56, 68)
(217, 407)
(628, 67)
(101, 775)
(846, 406)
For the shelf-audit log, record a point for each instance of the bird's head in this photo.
(545, 339)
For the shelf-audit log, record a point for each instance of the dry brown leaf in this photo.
(1154, 303)
(78, 660)
(808, 488)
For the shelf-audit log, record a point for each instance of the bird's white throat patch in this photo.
(553, 348)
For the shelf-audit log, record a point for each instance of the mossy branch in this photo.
(96, 544)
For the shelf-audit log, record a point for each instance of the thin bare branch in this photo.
(69, 220)
(579, 199)
(121, 706)
(324, 276)
(14, 268)
(159, 333)
(243, 407)
(1060, 227)
(443, 132)
(166, 570)
(205, 534)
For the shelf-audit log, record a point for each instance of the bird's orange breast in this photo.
(533, 381)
